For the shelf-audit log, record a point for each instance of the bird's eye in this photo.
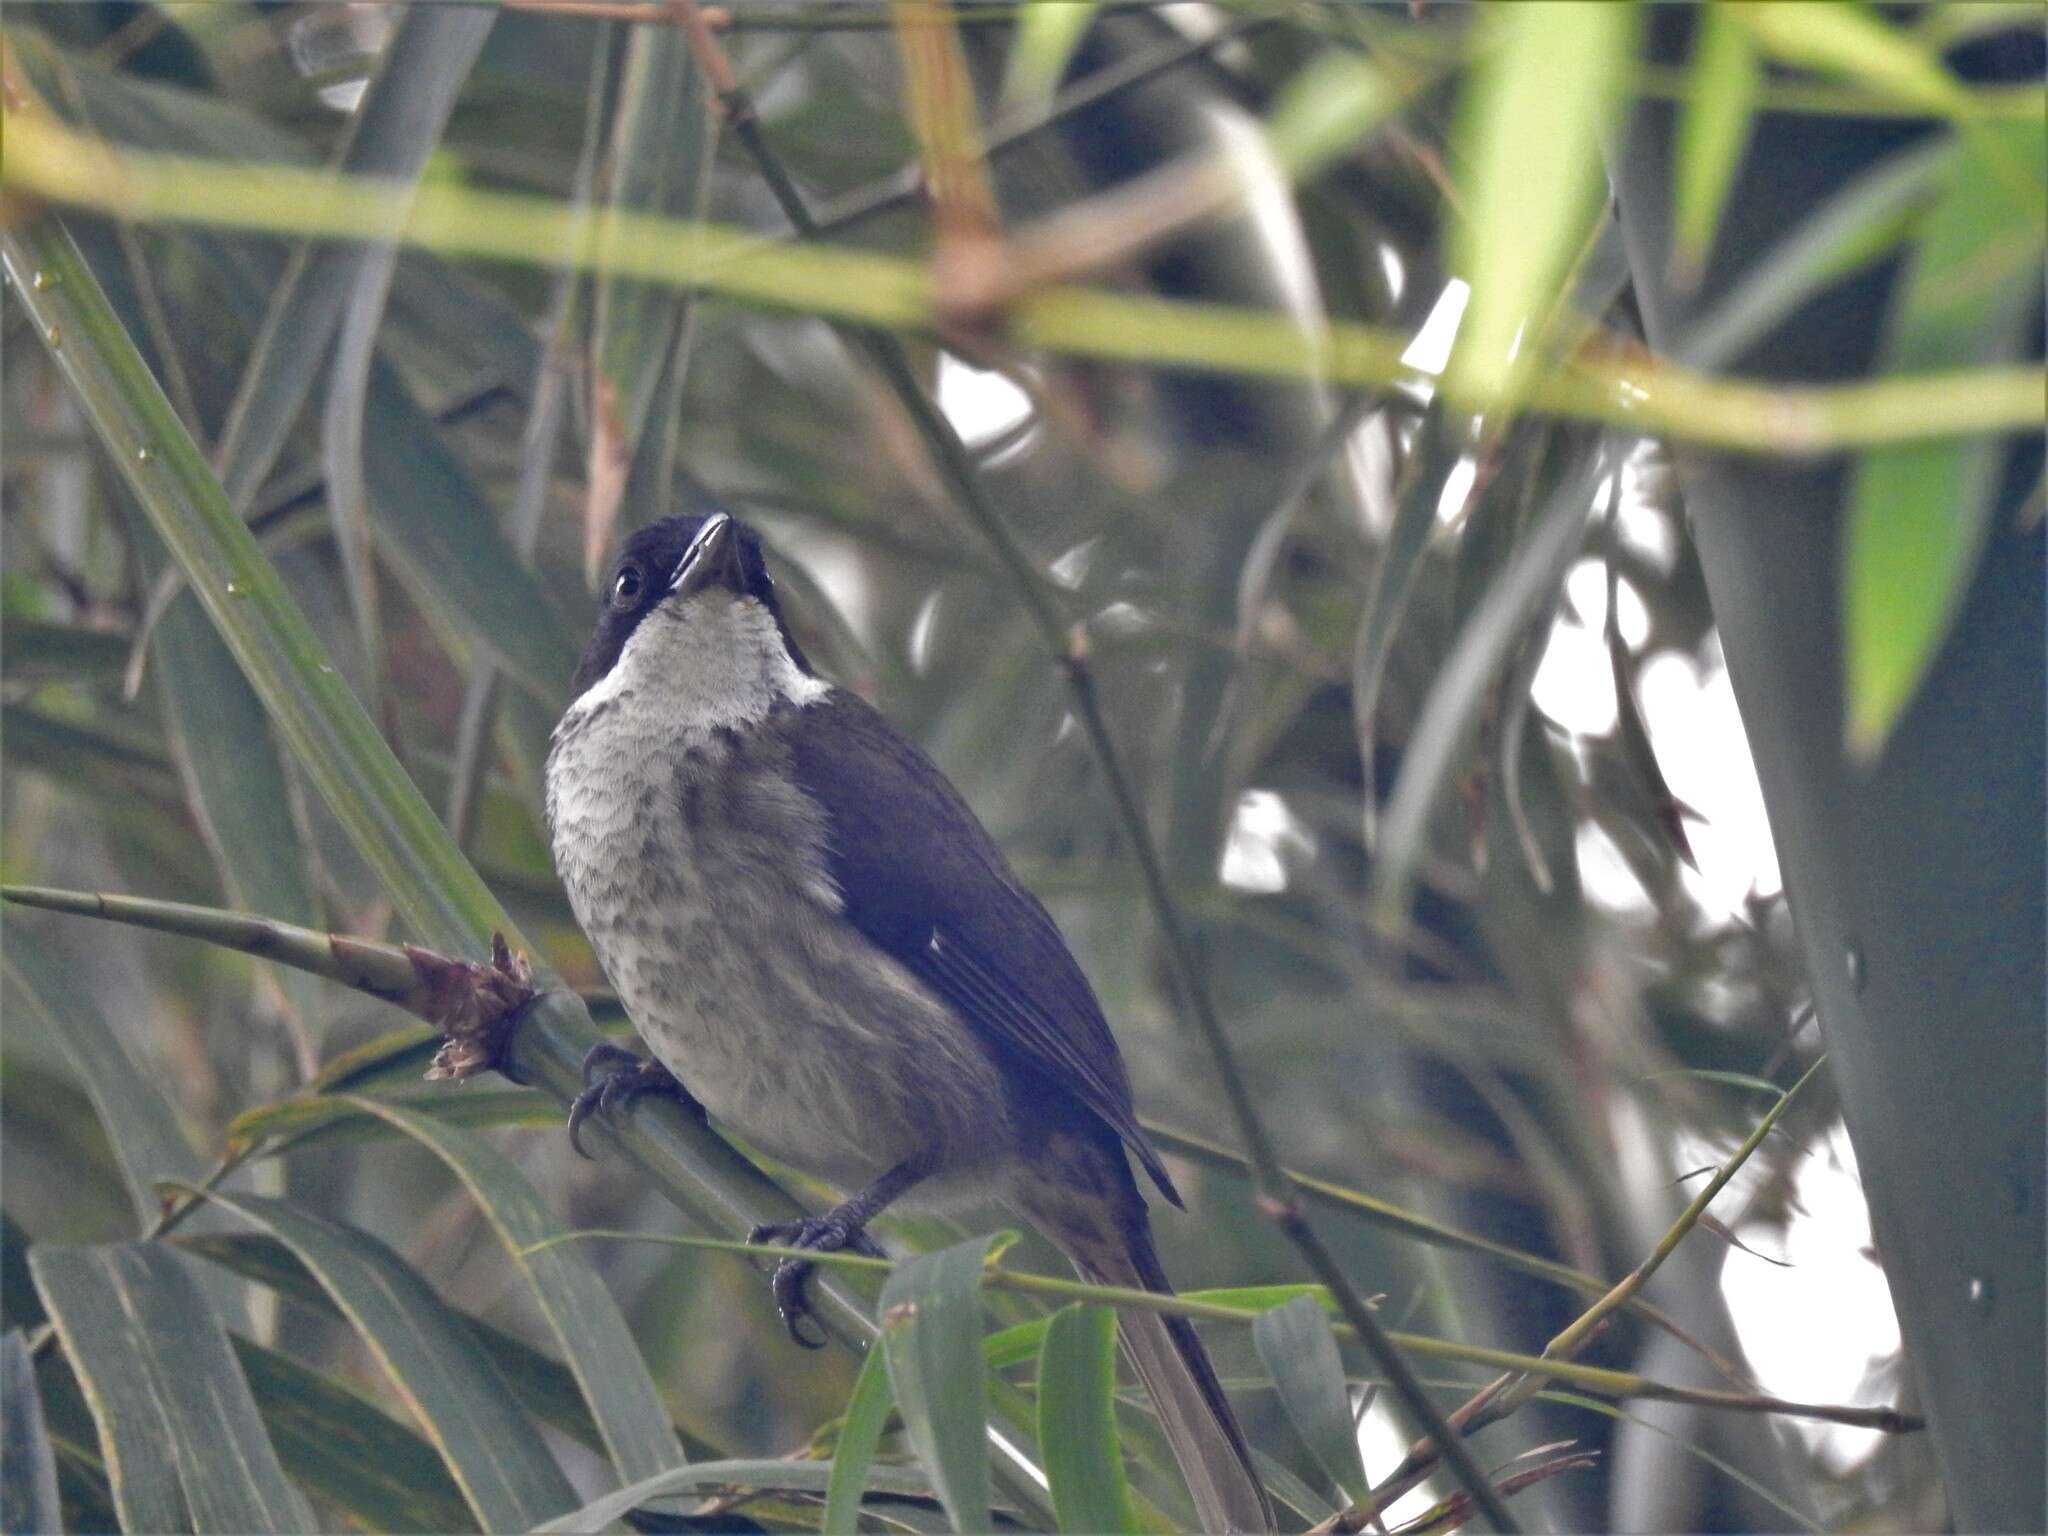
(626, 590)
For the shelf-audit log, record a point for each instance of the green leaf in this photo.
(1077, 1421)
(539, 1383)
(1327, 108)
(1853, 43)
(137, 1120)
(585, 1320)
(311, 1120)
(1530, 120)
(1301, 1355)
(28, 1467)
(867, 1410)
(234, 778)
(1041, 47)
(339, 1445)
(392, 132)
(662, 138)
(497, 1458)
(931, 1331)
(155, 1365)
(1713, 131)
(795, 1476)
(1919, 514)
(439, 534)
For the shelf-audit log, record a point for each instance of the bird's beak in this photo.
(713, 558)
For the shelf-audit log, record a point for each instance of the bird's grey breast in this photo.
(698, 867)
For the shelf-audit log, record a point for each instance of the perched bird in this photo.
(826, 951)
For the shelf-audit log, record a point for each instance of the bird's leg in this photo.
(629, 1077)
(840, 1229)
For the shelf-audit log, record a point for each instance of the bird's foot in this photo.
(834, 1232)
(476, 1006)
(628, 1077)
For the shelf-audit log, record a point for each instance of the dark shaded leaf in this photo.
(28, 1467)
(497, 1458)
(137, 1120)
(338, 1444)
(585, 1320)
(173, 1411)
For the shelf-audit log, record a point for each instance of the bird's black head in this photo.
(679, 560)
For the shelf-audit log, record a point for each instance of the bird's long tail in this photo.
(1109, 1241)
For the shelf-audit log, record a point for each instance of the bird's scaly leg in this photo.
(841, 1229)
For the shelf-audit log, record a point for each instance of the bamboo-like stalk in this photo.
(1617, 385)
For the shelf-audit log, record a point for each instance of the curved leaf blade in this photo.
(395, 128)
(28, 1467)
(1300, 1352)
(137, 1120)
(1077, 1421)
(1920, 514)
(497, 1458)
(931, 1335)
(154, 1361)
(1530, 120)
(860, 1432)
(711, 1476)
(1713, 130)
(584, 1318)
(336, 1443)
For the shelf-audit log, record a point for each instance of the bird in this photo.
(827, 953)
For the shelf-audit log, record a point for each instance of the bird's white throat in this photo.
(713, 661)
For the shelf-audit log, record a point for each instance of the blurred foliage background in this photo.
(1419, 694)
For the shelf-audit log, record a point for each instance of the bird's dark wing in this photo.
(925, 883)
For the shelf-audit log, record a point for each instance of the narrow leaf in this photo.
(1530, 120)
(1326, 109)
(1301, 1355)
(137, 1120)
(233, 775)
(1919, 514)
(1042, 46)
(931, 1331)
(391, 134)
(714, 1476)
(662, 137)
(1436, 454)
(1077, 1421)
(540, 1384)
(1713, 131)
(338, 1444)
(1449, 715)
(1854, 44)
(497, 1458)
(154, 1361)
(584, 1318)
(28, 1467)
(860, 1432)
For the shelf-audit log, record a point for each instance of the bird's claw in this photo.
(630, 1077)
(820, 1234)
